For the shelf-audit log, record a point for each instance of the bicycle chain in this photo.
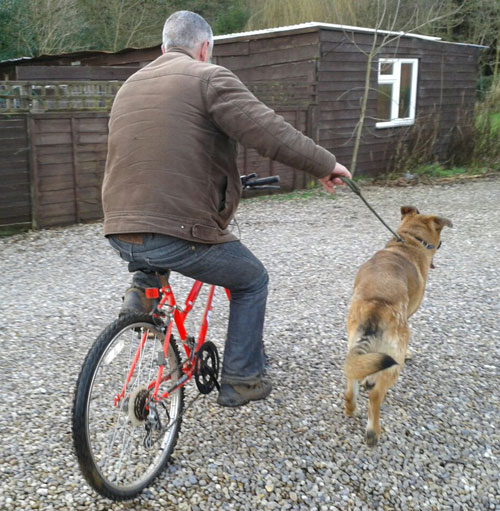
(164, 429)
(213, 384)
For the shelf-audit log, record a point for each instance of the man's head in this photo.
(189, 31)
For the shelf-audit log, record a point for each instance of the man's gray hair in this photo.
(186, 29)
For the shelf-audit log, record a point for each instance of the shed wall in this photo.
(280, 71)
(446, 94)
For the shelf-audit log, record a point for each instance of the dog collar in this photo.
(428, 246)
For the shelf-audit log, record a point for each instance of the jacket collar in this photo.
(177, 49)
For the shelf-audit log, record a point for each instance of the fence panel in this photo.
(69, 154)
(15, 194)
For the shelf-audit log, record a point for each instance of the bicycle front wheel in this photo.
(121, 439)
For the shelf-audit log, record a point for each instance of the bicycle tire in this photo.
(97, 422)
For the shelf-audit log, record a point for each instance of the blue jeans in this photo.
(230, 265)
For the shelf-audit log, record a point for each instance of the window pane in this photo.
(405, 91)
(386, 68)
(384, 102)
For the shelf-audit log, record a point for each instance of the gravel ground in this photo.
(296, 450)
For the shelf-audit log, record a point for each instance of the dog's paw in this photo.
(352, 412)
(371, 438)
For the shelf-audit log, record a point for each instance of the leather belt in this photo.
(134, 238)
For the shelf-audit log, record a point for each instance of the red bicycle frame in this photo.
(177, 316)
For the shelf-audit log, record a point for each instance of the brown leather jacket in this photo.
(171, 165)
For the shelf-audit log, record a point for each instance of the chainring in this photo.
(206, 369)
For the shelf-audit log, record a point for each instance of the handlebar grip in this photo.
(263, 181)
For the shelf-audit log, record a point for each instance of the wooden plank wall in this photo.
(249, 160)
(280, 59)
(446, 94)
(68, 155)
(15, 196)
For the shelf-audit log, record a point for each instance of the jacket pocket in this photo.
(223, 196)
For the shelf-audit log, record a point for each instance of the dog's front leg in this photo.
(351, 397)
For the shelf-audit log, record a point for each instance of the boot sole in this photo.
(235, 404)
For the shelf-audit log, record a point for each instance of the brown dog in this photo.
(388, 289)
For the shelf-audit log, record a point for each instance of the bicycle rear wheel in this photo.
(120, 446)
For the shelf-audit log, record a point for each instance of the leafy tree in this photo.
(231, 20)
(115, 24)
(33, 27)
(8, 29)
(481, 25)
(41, 27)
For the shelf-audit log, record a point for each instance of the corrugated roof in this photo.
(315, 24)
(77, 54)
(331, 26)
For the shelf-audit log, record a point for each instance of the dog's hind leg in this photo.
(351, 397)
(377, 396)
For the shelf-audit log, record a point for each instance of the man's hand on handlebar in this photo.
(332, 180)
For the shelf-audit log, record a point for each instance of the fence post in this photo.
(30, 127)
(76, 186)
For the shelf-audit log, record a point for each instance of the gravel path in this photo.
(296, 450)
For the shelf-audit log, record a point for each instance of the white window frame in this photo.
(394, 79)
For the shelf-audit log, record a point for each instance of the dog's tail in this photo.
(363, 358)
(360, 365)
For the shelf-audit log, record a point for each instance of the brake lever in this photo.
(245, 179)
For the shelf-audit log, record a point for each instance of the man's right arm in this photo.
(333, 179)
(239, 114)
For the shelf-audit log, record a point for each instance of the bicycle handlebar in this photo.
(252, 182)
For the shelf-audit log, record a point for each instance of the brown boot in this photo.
(135, 301)
(241, 394)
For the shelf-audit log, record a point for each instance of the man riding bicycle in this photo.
(171, 186)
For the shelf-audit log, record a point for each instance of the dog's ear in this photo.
(441, 222)
(409, 210)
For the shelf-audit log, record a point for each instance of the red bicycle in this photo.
(129, 397)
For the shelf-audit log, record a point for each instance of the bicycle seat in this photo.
(147, 268)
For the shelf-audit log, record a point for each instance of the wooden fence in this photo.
(53, 144)
(51, 168)
(25, 96)
(15, 179)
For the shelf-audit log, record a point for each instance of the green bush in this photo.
(233, 20)
(486, 148)
(473, 143)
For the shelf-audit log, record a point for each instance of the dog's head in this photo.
(425, 229)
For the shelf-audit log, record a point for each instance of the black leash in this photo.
(356, 189)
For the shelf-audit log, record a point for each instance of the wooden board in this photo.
(15, 193)
(70, 155)
(51, 73)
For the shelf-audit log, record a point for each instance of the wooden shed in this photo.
(419, 86)
(314, 74)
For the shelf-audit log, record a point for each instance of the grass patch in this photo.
(436, 170)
